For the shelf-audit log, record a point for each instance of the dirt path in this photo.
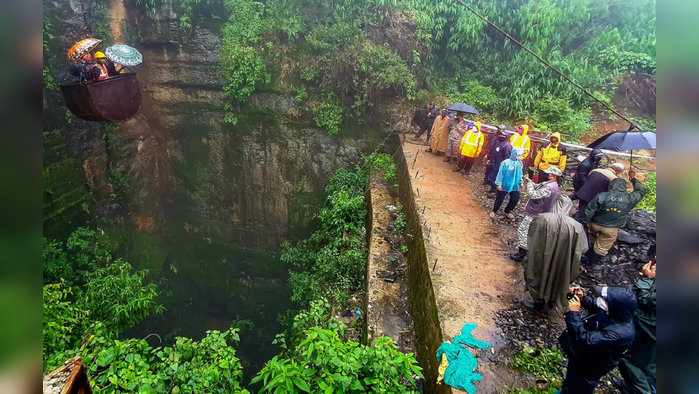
(473, 278)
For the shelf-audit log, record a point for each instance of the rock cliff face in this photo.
(255, 184)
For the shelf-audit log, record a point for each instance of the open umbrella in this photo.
(625, 140)
(461, 107)
(82, 47)
(124, 55)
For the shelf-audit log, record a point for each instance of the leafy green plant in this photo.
(324, 363)
(545, 364)
(383, 163)
(117, 298)
(404, 249)
(400, 221)
(556, 114)
(648, 202)
(328, 114)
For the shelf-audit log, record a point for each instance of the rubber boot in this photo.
(520, 255)
(452, 160)
(538, 307)
(594, 262)
(446, 159)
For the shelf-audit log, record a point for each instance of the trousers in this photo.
(602, 238)
(637, 367)
(452, 148)
(465, 162)
(576, 382)
(425, 127)
(514, 199)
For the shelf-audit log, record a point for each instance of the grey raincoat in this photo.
(556, 243)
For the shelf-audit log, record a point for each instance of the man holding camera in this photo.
(596, 343)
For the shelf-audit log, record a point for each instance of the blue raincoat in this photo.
(510, 173)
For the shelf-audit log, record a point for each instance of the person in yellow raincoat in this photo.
(440, 133)
(554, 155)
(470, 147)
(521, 140)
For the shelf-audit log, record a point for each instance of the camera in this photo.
(571, 294)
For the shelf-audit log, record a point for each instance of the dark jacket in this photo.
(86, 71)
(610, 209)
(429, 121)
(645, 314)
(597, 182)
(590, 163)
(499, 151)
(597, 342)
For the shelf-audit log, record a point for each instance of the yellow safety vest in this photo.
(472, 143)
(523, 142)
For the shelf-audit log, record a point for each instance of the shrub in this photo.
(545, 364)
(648, 202)
(328, 114)
(323, 363)
(556, 114)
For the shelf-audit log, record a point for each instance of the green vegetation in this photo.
(556, 114)
(338, 71)
(648, 202)
(400, 219)
(590, 41)
(87, 320)
(546, 365)
(91, 299)
(49, 81)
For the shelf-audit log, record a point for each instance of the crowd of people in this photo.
(98, 69)
(619, 327)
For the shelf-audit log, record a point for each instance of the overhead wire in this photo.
(514, 40)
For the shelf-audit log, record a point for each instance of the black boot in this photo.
(452, 160)
(538, 307)
(520, 255)
(429, 150)
(457, 169)
(446, 159)
(594, 261)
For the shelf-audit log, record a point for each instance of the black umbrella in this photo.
(461, 107)
(626, 140)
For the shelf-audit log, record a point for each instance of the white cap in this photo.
(619, 166)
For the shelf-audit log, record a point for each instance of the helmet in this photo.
(99, 55)
(87, 57)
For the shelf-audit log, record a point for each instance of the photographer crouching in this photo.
(595, 344)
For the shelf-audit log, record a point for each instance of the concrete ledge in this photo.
(428, 332)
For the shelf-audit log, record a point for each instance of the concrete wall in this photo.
(428, 333)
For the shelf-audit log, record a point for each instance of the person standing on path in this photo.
(470, 148)
(542, 197)
(637, 367)
(521, 140)
(590, 163)
(595, 345)
(556, 243)
(607, 213)
(500, 150)
(457, 128)
(428, 122)
(554, 155)
(597, 182)
(508, 181)
(440, 133)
